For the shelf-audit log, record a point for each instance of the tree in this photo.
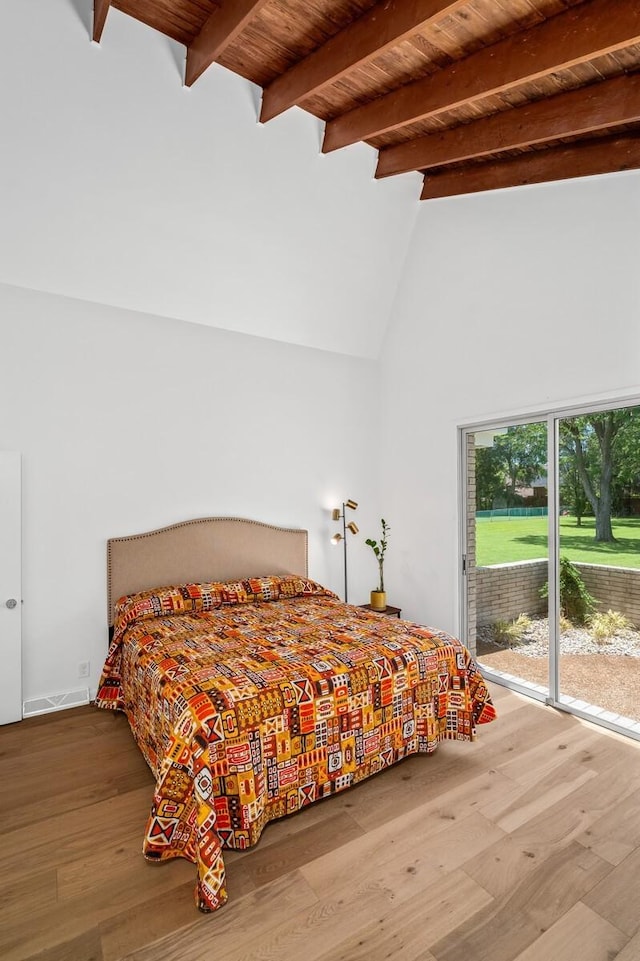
(523, 450)
(602, 434)
(489, 477)
(572, 493)
(571, 489)
(514, 460)
(626, 477)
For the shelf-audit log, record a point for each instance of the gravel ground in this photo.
(535, 641)
(606, 674)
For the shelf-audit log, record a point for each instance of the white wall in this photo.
(218, 244)
(510, 301)
(120, 186)
(128, 422)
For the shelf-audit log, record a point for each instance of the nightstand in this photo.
(389, 610)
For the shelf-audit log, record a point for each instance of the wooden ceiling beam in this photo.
(384, 26)
(219, 30)
(100, 11)
(608, 155)
(600, 106)
(590, 30)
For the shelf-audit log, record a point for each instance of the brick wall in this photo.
(615, 588)
(505, 590)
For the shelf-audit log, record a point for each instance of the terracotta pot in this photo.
(379, 600)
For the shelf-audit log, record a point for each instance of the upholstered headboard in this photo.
(205, 549)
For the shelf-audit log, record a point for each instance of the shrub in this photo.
(576, 603)
(605, 624)
(565, 624)
(510, 632)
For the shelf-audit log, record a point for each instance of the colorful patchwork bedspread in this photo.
(251, 700)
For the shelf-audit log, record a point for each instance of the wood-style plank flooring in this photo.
(524, 846)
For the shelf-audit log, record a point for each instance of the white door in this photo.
(10, 589)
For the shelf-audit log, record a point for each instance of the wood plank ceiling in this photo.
(474, 94)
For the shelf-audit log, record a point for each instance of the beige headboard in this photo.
(205, 549)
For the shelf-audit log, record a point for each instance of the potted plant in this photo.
(379, 596)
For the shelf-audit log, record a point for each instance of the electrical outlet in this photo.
(84, 668)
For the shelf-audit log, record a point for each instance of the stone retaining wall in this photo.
(505, 590)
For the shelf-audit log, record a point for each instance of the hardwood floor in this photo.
(524, 846)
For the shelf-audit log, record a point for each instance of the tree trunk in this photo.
(606, 427)
(604, 531)
(577, 500)
(605, 433)
(583, 473)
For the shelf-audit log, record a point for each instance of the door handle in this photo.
(11, 603)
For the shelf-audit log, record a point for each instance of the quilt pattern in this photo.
(253, 699)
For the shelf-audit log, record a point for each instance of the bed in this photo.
(252, 691)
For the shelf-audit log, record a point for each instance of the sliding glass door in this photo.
(507, 557)
(550, 569)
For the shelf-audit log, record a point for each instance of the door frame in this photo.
(11, 587)
(552, 415)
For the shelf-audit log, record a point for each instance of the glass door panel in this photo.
(599, 564)
(507, 552)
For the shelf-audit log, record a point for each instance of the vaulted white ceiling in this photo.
(120, 186)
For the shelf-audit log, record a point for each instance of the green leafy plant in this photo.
(511, 632)
(604, 624)
(379, 549)
(576, 603)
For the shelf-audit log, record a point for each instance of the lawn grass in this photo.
(503, 540)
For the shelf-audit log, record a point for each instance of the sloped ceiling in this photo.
(474, 94)
(120, 186)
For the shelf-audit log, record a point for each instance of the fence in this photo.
(514, 512)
